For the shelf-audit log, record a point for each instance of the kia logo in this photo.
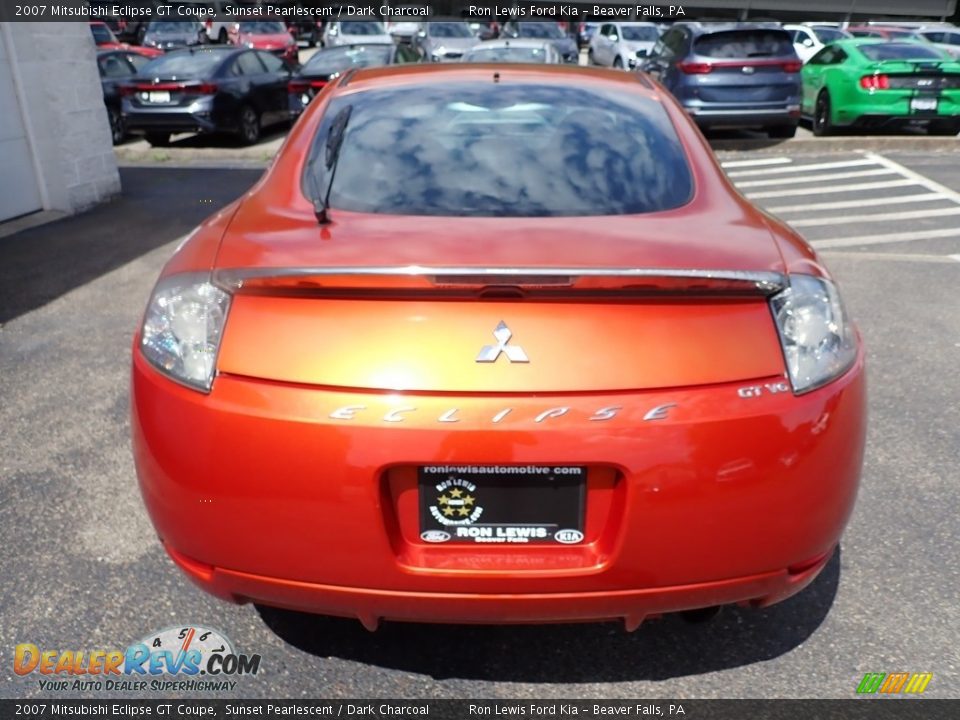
(568, 537)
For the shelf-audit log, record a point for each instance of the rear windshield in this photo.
(899, 51)
(475, 149)
(507, 54)
(101, 34)
(262, 27)
(450, 30)
(744, 44)
(904, 35)
(829, 35)
(339, 59)
(362, 27)
(168, 26)
(539, 30)
(640, 34)
(184, 64)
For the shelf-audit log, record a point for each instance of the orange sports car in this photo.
(497, 344)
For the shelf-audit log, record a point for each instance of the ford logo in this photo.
(568, 537)
(434, 536)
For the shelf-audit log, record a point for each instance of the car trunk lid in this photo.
(486, 315)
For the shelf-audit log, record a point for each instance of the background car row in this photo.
(764, 76)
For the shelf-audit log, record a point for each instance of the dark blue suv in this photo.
(731, 75)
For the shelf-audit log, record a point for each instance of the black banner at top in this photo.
(418, 10)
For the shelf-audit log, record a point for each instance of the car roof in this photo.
(705, 28)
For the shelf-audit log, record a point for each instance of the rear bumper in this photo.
(891, 108)
(183, 119)
(260, 494)
(708, 117)
(371, 606)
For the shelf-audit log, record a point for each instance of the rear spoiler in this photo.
(494, 281)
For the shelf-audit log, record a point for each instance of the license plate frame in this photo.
(502, 504)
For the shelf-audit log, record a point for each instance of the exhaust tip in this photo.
(700, 615)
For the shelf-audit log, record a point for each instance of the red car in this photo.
(884, 32)
(516, 352)
(269, 35)
(104, 39)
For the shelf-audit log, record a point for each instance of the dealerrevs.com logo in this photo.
(196, 657)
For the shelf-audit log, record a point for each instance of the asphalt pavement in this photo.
(83, 569)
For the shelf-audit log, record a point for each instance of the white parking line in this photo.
(915, 176)
(877, 217)
(804, 168)
(757, 162)
(884, 239)
(818, 178)
(853, 204)
(855, 187)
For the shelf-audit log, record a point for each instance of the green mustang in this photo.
(867, 83)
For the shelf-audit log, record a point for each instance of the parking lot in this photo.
(86, 571)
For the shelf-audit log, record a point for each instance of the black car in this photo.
(117, 67)
(325, 64)
(205, 90)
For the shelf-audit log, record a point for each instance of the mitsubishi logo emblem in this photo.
(490, 353)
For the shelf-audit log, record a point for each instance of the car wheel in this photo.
(222, 37)
(822, 122)
(618, 63)
(158, 139)
(249, 125)
(118, 129)
(782, 131)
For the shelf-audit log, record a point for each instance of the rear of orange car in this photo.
(497, 345)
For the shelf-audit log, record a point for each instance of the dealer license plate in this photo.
(923, 104)
(502, 504)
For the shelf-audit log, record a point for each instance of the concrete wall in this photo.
(58, 89)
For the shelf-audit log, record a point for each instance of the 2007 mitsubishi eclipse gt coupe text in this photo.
(497, 344)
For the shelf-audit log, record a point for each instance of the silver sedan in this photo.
(514, 51)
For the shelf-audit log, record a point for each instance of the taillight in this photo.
(203, 88)
(875, 82)
(302, 86)
(695, 68)
(793, 66)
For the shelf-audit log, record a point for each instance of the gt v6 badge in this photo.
(514, 353)
(752, 391)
